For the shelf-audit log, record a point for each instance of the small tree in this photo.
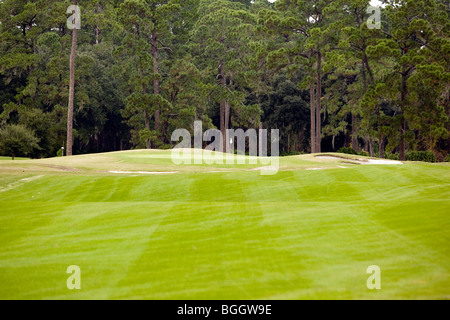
(17, 140)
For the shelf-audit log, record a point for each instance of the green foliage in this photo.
(424, 156)
(290, 153)
(391, 156)
(285, 107)
(348, 151)
(222, 42)
(17, 140)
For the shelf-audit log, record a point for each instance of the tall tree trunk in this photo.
(366, 144)
(300, 139)
(382, 146)
(402, 146)
(224, 108)
(354, 137)
(369, 69)
(156, 81)
(289, 142)
(222, 122)
(313, 117)
(96, 139)
(71, 89)
(148, 142)
(318, 104)
(97, 35)
(228, 109)
(227, 115)
(371, 149)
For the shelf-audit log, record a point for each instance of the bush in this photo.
(289, 153)
(354, 152)
(423, 156)
(447, 158)
(165, 147)
(17, 140)
(364, 154)
(391, 156)
(348, 151)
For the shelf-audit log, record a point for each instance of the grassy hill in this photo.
(222, 232)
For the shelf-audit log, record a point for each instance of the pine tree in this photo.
(222, 36)
(418, 32)
(147, 26)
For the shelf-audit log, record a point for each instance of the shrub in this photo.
(364, 154)
(447, 158)
(391, 156)
(17, 140)
(348, 151)
(424, 156)
(289, 153)
(165, 147)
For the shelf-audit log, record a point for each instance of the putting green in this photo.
(222, 232)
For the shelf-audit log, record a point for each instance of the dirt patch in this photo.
(60, 168)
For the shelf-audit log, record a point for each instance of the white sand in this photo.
(372, 161)
(365, 161)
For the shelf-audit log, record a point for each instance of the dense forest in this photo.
(317, 70)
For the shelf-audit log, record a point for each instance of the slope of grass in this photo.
(9, 158)
(222, 232)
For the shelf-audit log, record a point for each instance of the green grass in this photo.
(9, 158)
(222, 232)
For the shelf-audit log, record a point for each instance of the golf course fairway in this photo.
(222, 232)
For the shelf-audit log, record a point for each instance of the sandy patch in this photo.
(60, 168)
(372, 161)
(364, 161)
(19, 183)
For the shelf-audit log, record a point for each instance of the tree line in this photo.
(317, 70)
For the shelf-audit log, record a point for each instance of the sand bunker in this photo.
(374, 161)
(364, 161)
